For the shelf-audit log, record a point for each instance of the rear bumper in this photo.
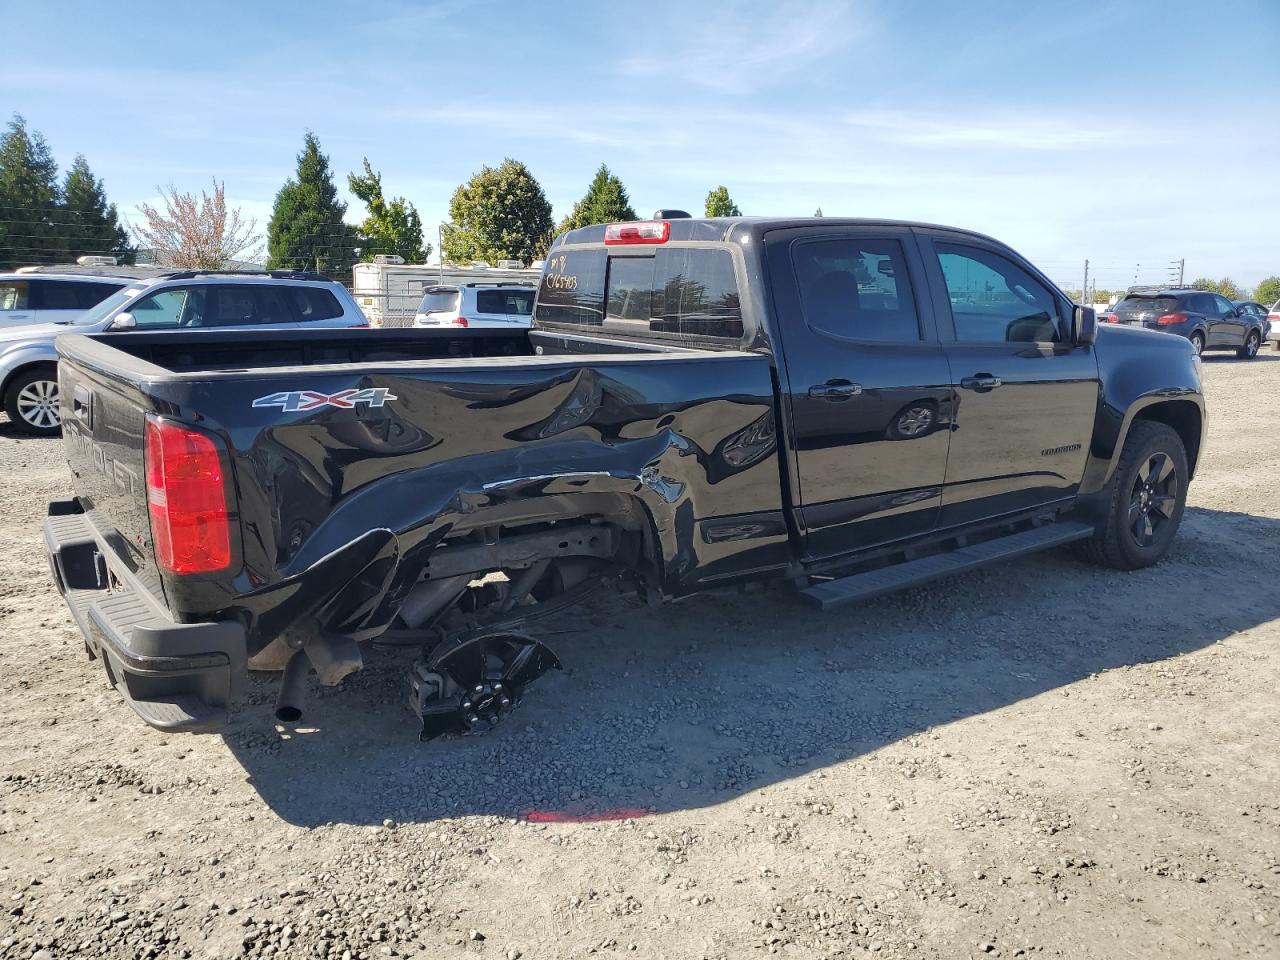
(178, 677)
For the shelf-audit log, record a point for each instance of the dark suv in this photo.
(1210, 321)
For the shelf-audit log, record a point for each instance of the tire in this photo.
(1250, 348)
(1197, 342)
(32, 402)
(1135, 530)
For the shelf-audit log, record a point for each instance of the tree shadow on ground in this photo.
(683, 706)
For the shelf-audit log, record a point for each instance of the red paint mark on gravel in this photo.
(564, 816)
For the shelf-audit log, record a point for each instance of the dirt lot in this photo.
(1039, 759)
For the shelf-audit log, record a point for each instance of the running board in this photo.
(831, 594)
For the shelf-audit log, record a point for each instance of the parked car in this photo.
(699, 403)
(476, 305)
(1209, 320)
(1257, 312)
(175, 301)
(30, 298)
(1273, 318)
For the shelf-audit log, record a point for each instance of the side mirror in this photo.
(1084, 326)
(124, 321)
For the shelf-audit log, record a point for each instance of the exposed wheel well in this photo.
(1184, 416)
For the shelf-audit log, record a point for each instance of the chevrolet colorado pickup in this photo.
(844, 407)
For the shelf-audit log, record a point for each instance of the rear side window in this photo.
(856, 288)
(678, 293)
(57, 295)
(490, 301)
(15, 294)
(1202, 303)
(313, 303)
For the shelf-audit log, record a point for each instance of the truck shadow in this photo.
(684, 706)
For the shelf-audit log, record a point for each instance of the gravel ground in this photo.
(1038, 759)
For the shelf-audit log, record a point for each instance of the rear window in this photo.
(678, 293)
(439, 301)
(1139, 304)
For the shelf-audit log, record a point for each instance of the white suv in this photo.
(27, 298)
(476, 305)
(190, 300)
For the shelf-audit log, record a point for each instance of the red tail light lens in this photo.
(1110, 318)
(187, 500)
(1171, 319)
(460, 322)
(646, 231)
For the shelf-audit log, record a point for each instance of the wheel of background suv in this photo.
(1144, 501)
(32, 402)
(1250, 348)
(1197, 342)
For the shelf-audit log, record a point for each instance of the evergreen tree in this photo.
(391, 227)
(720, 204)
(90, 223)
(499, 214)
(306, 230)
(606, 201)
(29, 199)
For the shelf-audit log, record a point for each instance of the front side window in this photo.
(14, 294)
(91, 294)
(520, 302)
(856, 288)
(170, 308)
(1224, 306)
(993, 300)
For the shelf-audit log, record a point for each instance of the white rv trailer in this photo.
(389, 290)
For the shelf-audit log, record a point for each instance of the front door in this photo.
(867, 388)
(1026, 396)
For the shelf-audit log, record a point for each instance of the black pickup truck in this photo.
(844, 407)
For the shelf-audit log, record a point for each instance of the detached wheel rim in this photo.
(38, 404)
(1153, 499)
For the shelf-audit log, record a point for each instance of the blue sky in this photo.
(1064, 129)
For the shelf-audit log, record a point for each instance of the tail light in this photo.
(646, 231)
(1171, 319)
(187, 499)
(460, 322)
(1110, 318)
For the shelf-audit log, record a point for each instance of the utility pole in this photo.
(440, 238)
(1084, 287)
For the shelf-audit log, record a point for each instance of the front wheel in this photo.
(1197, 342)
(1250, 348)
(32, 402)
(1144, 502)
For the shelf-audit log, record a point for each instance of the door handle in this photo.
(982, 382)
(835, 390)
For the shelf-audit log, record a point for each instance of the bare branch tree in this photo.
(198, 233)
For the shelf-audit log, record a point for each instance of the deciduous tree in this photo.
(1268, 291)
(499, 214)
(720, 204)
(198, 233)
(391, 226)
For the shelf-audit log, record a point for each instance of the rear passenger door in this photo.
(1026, 396)
(867, 388)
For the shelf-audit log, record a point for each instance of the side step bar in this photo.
(831, 594)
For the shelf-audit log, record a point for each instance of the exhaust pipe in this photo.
(293, 688)
(333, 658)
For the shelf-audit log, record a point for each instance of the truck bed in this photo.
(354, 454)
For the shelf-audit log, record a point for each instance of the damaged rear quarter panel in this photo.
(686, 442)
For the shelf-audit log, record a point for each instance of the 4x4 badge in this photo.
(294, 401)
